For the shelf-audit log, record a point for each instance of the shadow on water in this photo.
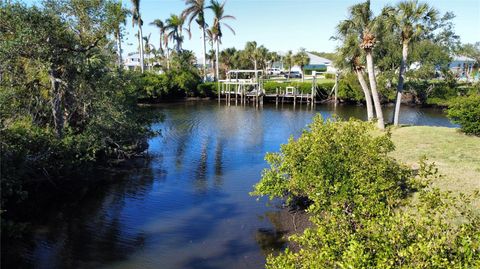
(201, 181)
(76, 216)
(219, 163)
(185, 207)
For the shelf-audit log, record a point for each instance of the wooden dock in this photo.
(251, 90)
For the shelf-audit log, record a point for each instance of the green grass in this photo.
(456, 155)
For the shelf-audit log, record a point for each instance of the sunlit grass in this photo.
(457, 156)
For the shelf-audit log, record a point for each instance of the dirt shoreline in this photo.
(287, 221)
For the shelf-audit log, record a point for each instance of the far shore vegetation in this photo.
(68, 105)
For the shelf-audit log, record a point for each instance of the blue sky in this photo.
(283, 25)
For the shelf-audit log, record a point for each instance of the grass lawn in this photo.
(456, 155)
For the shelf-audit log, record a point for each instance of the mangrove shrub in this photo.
(360, 204)
(64, 104)
(466, 112)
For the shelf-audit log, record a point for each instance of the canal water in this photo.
(188, 205)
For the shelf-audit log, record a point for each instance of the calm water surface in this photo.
(186, 207)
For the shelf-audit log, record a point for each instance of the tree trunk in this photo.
(366, 91)
(204, 45)
(212, 62)
(160, 47)
(217, 63)
(255, 68)
(178, 41)
(168, 57)
(398, 99)
(303, 74)
(149, 60)
(373, 87)
(57, 96)
(119, 48)
(140, 40)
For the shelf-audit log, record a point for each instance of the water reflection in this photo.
(186, 207)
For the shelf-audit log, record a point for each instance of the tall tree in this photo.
(167, 49)
(118, 18)
(410, 19)
(262, 53)
(174, 29)
(161, 28)
(149, 48)
(137, 20)
(288, 62)
(301, 59)
(272, 58)
(60, 51)
(218, 21)
(211, 52)
(228, 58)
(349, 56)
(364, 25)
(196, 11)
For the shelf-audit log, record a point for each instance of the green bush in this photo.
(338, 166)
(360, 206)
(329, 76)
(466, 112)
(173, 84)
(207, 89)
(414, 237)
(433, 92)
(113, 128)
(349, 89)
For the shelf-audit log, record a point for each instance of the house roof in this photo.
(462, 58)
(317, 60)
(136, 55)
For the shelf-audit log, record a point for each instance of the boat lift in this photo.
(243, 85)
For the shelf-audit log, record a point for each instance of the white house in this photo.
(318, 64)
(132, 61)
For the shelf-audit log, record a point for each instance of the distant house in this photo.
(132, 61)
(462, 66)
(318, 64)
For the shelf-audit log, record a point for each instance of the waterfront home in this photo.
(318, 64)
(462, 66)
(132, 61)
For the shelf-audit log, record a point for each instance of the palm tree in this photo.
(148, 49)
(137, 19)
(410, 19)
(272, 58)
(301, 59)
(212, 60)
(161, 27)
(288, 62)
(349, 57)
(196, 11)
(119, 18)
(167, 49)
(362, 24)
(253, 54)
(227, 57)
(219, 16)
(211, 52)
(174, 27)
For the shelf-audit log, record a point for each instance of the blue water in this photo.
(189, 205)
